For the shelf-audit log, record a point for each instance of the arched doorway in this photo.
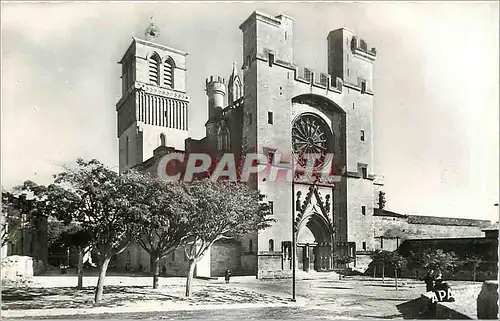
(314, 243)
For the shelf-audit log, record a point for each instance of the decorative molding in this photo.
(155, 90)
(352, 174)
(158, 46)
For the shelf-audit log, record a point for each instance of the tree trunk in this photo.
(80, 268)
(100, 282)
(383, 273)
(396, 275)
(155, 266)
(190, 277)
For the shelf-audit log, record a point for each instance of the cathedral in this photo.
(270, 106)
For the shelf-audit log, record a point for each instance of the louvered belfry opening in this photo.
(154, 68)
(169, 73)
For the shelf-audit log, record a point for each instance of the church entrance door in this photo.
(307, 258)
(314, 246)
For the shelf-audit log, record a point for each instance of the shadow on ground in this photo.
(27, 298)
(416, 309)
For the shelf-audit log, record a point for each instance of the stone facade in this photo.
(271, 107)
(391, 229)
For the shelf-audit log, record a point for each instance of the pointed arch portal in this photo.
(314, 243)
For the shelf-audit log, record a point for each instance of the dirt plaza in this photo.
(132, 297)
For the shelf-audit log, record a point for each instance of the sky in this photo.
(436, 103)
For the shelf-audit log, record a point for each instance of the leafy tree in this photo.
(220, 210)
(380, 257)
(22, 208)
(473, 260)
(415, 261)
(381, 200)
(11, 218)
(103, 203)
(397, 261)
(439, 260)
(162, 226)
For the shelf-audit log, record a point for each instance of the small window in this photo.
(348, 73)
(381, 242)
(363, 86)
(250, 246)
(249, 118)
(271, 59)
(364, 246)
(271, 206)
(286, 35)
(271, 245)
(270, 156)
(173, 255)
(248, 60)
(363, 210)
(162, 140)
(364, 172)
(362, 135)
(270, 117)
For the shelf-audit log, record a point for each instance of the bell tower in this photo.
(154, 106)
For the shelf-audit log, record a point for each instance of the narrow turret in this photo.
(216, 91)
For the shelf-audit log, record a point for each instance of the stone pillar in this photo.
(487, 299)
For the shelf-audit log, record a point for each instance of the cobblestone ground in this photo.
(245, 297)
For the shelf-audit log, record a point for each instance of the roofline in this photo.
(153, 44)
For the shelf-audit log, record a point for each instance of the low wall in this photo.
(271, 266)
(281, 274)
(16, 267)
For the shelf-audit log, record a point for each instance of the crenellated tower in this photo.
(215, 88)
(153, 109)
(350, 59)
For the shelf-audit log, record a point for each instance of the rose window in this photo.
(311, 136)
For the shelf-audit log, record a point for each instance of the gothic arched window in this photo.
(271, 245)
(163, 140)
(224, 140)
(168, 73)
(154, 69)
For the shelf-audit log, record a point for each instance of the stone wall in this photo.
(15, 267)
(395, 228)
(270, 266)
(225, 256)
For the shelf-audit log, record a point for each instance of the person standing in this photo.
(429, 281)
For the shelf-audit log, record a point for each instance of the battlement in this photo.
(360, 46)
(318, 79)
(264, 17)
(378, 180)
(215, 79)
